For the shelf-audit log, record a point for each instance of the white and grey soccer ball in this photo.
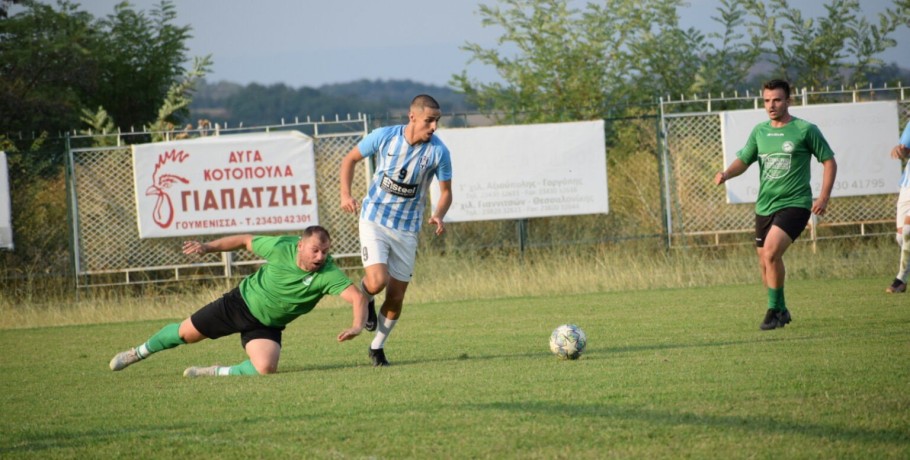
(568, 341)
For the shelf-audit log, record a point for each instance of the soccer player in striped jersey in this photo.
(901, 151)
(407, 158)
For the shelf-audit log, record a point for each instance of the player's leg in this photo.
(388, 317)
(374, 253)
(774, 272)
(263, 347)
(787, 225)
(375, 279)
(169, 336)
(903, 237)
(401, 258)
(211, 321)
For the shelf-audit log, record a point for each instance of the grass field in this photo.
(668, 373)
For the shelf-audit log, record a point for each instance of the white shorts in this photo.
(383, 245)
(903, 207)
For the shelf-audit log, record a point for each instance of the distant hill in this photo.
(256, 104)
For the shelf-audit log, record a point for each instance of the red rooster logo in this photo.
(163, 179)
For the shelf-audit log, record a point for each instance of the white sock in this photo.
(143, 351)
(223, 370)
(383, 329)
(905, 255)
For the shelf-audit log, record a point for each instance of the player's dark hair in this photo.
(424, 101)
(321, 232)
(778, 84)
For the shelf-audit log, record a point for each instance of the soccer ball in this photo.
(568, 341)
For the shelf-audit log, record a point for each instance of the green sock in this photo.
(776, 299)
(167, 337)
(244, 368)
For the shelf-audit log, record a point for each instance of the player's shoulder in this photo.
(438, 144)
(388, 131)
(803, 124)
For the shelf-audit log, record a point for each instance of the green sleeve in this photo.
(749, 153)
(818, 144)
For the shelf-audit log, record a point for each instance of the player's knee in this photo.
(375, 284)
(266, 368)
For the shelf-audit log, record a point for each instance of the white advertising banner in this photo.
(6, 206)
(861, 135)
(522, 171)
(245, 183)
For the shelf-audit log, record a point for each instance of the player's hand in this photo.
(349, 204)
(899, 152)
(349, 334)
(194, 247)
(720, 178)
(440, 225)
(820, 206)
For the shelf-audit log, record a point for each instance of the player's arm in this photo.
(900, 152)
(346, 174)
(442, 206)
(735, 169)
(358, 303)
(227, 243)
(828, 175)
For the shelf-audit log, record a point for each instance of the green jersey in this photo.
(280, 291)
(784, 155)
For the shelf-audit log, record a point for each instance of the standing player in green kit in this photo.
(298, 273)
(784, 147)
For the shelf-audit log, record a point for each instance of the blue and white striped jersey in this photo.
(905, 141)
(397, 194)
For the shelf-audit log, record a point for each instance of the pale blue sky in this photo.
(315, 42)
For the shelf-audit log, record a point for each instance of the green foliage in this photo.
(178, 99)
(559, 63)
(727, 57)
(837, 49)
(573, 64)
(49, 67)
(57, 64)
(668, 373)
(99, 124)
(143, 58)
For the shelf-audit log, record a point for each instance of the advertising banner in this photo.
(523, 171)
(243, 183)
(861, 135)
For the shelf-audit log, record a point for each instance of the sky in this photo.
(317, 42)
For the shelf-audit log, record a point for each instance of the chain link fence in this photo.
(660, 170)
(698, 212)
(107, 247)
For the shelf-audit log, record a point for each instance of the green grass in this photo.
(668, 373)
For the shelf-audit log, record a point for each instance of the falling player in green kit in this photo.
(298, 273)
(784, 147)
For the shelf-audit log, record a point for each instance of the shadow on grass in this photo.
(595, 353)
(756, 425)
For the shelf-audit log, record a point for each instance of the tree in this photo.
(48, 67)
(55, 62)
(571, 64)
(579, 64)
(838, 49)
(142, 58)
